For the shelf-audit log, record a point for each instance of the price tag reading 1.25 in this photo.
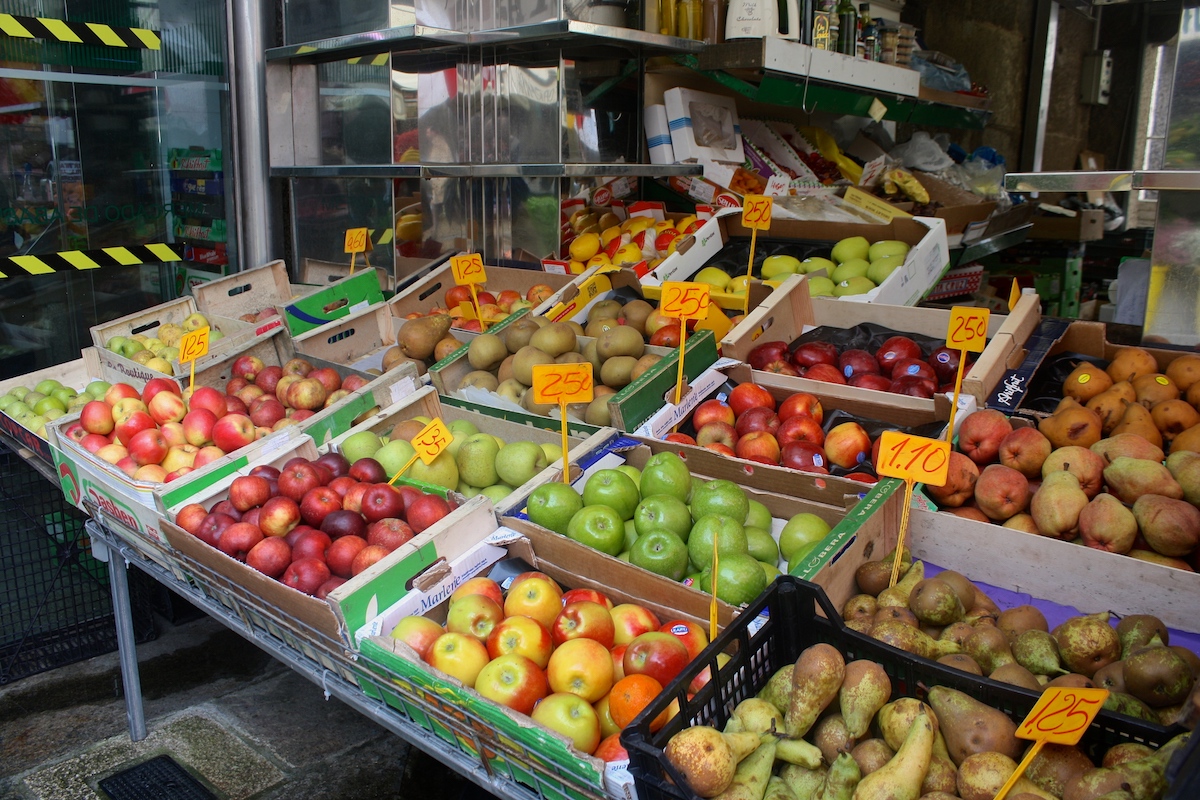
(432, 440)
(468, 269)
(193, 345)
(560, 384)
(914, 458)
(356, 240)
(756, 212)
(682, 300)
(968, 329)
(1060, 717)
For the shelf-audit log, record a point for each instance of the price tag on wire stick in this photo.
(967, 333)
(756, 215)
(468, 271)
(913, 459)
(192, 346)
(357, 241)
(1014, 295)
(563, 384)
(1060, 717)
(683, 301)
(428, 444)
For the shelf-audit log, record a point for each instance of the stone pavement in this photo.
(242, 723)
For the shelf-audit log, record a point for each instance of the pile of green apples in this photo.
(854, 266)
(160, 351)
(665, 521)
(49, 399)
(473, 463)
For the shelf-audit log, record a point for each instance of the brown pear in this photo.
(1127, 444)
(1130, 478)
(1109, 406)
(1137, 419)
(970, 726)
(1173, 417)
(1184, 371)
(1072, 680)
(418, 337)
(1085, 382)
(1108, 524)
(989, 647)
(1154, 388)
(1185, 468)
(1056, 765)
(1018, 619)
(1071, 426)
(1084, 463)
(1189, 440)
(961, 661)
(1016, 675)
(1131, 362)
(1172, 527)
(1121, 753)
(1193, 395)
(1087, 643)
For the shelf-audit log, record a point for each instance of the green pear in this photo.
(852, 286)
(901, 778)
(885, 248)
(882, 268)
(518, 462)
(850, 248)
(820, 286)
(364, 444)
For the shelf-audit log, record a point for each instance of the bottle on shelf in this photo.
(689, 19)
(847, 28)
(714, 21)
(666, 17)
(870, 33)
(825, 33)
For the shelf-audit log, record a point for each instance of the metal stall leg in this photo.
(126, 645)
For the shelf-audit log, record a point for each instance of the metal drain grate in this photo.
(160, 778)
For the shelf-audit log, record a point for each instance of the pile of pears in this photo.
(949, 619)
(503, 362)
(825, 729)
(854, 266)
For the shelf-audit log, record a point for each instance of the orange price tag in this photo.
(914, 458)
(968, 329)
(756, 212)
(1062, 714)
(715, 321)
(432, 440)
(193, 345)
(563, 383)
(682, 300)
(357, 241)
(468, 269)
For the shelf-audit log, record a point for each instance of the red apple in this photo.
(720, 447)
(328, 586)
(121, 391)
(125, 408)
(232, 431)
(112, 453)
(249, 491)
(748, 395)
(267, 413)
(944, 361)
(411, 494)
(782, 368)
(267, 378)
(717, 433)
(352, 499)
(389, 533)
(319, 503)
(342, 485)
(298, 479)
(227, 507)
(366, 557)
(915, 367)
(207, 455)
(800, 429)
(847, 445)
(198, 426)
(336, 463)
(250, 394)
(579, 595)
(513, 681)
(209, 399)
(352, 383)
(96, 417)
(417, 632)
(310, 544)
(913, 385)
(758, 418)
(523, 636)
(382, 501)
(758, 445)
(156, 385)
(692, 635)
(425, 511)
(271, 556)
(857, 362)
(876, 383)
(306, 575)
(327, 377)
(767, 352)
(305, 394)
(93, 442)
(801, 404)
(190, 517)
(279, 515)
(893, 350)
(234, 405)
(812, 353)
(323, 472)
(803, 456)
(238, 539)
(134, 424)
(631, 621)
(825, 373)
(247, 367)
(212, 527)
(344, 523)
(340, 554)
(235, 385)
(679, 438)
(659, 655)
(583, 619)
(252, 516)
(166, 407)
(712, 411)
(297, 366)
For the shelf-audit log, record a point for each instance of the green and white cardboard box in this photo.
(349, 295)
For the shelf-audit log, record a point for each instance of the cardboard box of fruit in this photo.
(346, 296)
(322, 273)
(507, 288)
(722, 244)
(255, 296)
(765, 342)
(630, 376)
(504, 471)
(346, 555)
(1071, 595)
(574, 668)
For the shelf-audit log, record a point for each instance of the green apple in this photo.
(130, 347)
(496, 492)
(463, 426)
(391, 456)
(633, 472)
(779, 266)
(761, 545)
(47, 403)
(476, 460)
(623, 556)
(553, 453)
(467, 490)
(801, 534)
(552, 505)
(364, 444)
(770, 571)
(214, 335)
(853, 286)
(850, 247)
(441, 472)
(6, 401)
(19, 392)
(517, 463)
(740, 579)
(631, 533)
(97, 389)
(47, 386)
(820, 286)
(614, 489)
(854, 268)
(52, 413)
(759, 516)
(720, 497)
(663, 512)
(816, 264)
(18, 409)
(662, 553)
(116, 343)
(172, 353)
(65, 393)
(79, 402)
(887, 247)
(713, 276)
(729, 534)
(599, 527)
(666, 473)
(33, 398)
(883, 267)
(33, 422)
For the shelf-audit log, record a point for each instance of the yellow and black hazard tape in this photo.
(75, 260)
(385, 236)
(375, 61)
(57, 30)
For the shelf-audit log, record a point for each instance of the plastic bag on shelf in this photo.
(923, 153)
(943, 76)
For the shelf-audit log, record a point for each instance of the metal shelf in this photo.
(1160, 180)
(992, 244)
(390, 40)
(486, 170)
(794, 60)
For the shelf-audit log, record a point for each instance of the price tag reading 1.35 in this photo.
(193, 345)
(560, 384)
(756, 212)
(432, 440)
(356, 240)
(682, 300)
(468, 269)
(968, 329)
(914, 458)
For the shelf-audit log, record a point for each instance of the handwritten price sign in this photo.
(193, 345)
(968, 329)
(914, 458)
(356, 241)
(682, 300)
(1060, 717)
(432, 440)
(468, 269)
(756, 212)
(563, 383)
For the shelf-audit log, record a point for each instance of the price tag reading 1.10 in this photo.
(756, 212)
(468, 269)
(563, 384)
(681, 300)
(914, 458)
(432, 440)
(968, 329)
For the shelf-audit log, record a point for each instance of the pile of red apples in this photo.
(492, 307)
(899, 366)
(313, 525)
(162, 433)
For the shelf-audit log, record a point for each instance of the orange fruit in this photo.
(630, 695)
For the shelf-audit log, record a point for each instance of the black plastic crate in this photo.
(790, 616)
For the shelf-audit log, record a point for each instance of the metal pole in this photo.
(247, 84)
(131, 681)
(1041, 71)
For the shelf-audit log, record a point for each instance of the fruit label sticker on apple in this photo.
(914, 458)
(968, 329)
(193, 345)
(756, 212)
(563, 383)
(432, 440)
(682, 300)
(357, 241)
(468, 269)
(1062, 714)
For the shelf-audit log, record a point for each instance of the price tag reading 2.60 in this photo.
(193, 345)
(968, 329)
(563, 383)
(756, 212)
(922, 460)
(468, 269)
(432, 440)
(1062, 714)
(681, 300)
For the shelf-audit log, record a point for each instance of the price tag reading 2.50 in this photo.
(559, 384)
(756, 212)
(193, 345)
(468, 269)
(914, 458)
(968, 329)
(682, 300)
(432, 440)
